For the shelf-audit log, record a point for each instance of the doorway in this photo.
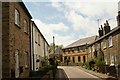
(84, 59)
(17, 64)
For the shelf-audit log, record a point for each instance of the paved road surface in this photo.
(73, 73)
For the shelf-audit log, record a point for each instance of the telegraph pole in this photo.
(54, 64)
(54, 47)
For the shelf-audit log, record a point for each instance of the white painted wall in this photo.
(37, 50)
(119, 6)
(0, 40)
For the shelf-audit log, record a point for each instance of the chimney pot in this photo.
(107, 24)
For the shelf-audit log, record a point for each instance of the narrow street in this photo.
(73, 73)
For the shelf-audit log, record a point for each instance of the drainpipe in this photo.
(32, 47)
(0, 40)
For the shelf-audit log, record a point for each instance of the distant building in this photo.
(15, 40)
(77, 51)
(39, 48)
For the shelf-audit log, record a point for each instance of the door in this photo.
(84, 59)
(17, 64)
(73, 60)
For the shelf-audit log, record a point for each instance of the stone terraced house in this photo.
(39, 48)
(15, 40)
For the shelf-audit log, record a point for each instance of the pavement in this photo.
(61, 74)
(100, 75)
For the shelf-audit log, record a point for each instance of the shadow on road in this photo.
(61, 75)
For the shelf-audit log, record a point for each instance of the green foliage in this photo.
(100, 55)
(86, 65)
(100, 63)
(51, 47)
(41, 72)
(97, 61)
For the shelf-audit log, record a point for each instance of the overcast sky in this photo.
(71, 20)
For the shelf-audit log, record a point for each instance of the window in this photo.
(26, 59)
(68, 51)
(35, 36)
(110, 41)
(83, 48)
(106, 58)
(90, 49)
(17, 17)
(104, 44)
(25, 26)
(39, 39)
(112, 60)
(72, 50)
(93, 48)
(78, 49)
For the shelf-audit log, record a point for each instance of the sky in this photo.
(71, 20)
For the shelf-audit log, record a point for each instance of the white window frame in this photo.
(104, 45)
(106, 59)
(90, 49)
(112, 60)
(25, 26)
(17, 17)
(110, 41)
(93, 48)
(39, 39)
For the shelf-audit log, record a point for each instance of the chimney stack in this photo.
(100, 31)
(118, 17)
(106, 27)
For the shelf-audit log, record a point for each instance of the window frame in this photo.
(25, 26)
(17, 17)
(112, 60)
(26, 59)
(110, 41)
(39, 39)
(36, 36)
(104, 45)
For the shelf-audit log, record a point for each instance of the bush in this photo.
(86, 65)
(100, 63)
(41, 72)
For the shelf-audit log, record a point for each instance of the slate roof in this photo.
(82, 41)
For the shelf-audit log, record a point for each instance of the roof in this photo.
(39, 32)
(25, 9)
(82, 42)
(108, 34)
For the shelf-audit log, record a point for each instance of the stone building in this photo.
(15, 40)
(77, 52)
(39, 48)
(109, 43)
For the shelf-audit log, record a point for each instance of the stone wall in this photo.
(14, 38)
(5, 40)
